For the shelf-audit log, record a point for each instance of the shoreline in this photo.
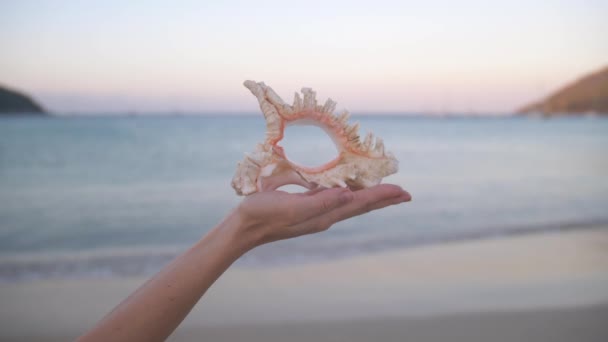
(124, 262)
(548, 276)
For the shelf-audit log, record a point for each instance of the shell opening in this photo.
(320, 152)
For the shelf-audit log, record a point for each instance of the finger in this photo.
(377, 193)
(374, 206)
(364, 201)
(314, 191)
(324, 222)
(373, 198)
(307, 207)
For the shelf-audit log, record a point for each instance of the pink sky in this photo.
(432, 56)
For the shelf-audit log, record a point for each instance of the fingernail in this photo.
(345, 197)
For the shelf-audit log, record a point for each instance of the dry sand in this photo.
(579, 324)
(546, 287)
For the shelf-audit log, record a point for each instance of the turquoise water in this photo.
(117, 196)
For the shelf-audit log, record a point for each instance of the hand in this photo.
(276, 215)
(157, 308)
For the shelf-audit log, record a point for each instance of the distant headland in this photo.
(15, 103)
(588, 95)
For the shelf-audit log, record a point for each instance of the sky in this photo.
(370, 56)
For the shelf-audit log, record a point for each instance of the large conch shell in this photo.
(359, 164)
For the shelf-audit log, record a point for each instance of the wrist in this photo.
(238, 233)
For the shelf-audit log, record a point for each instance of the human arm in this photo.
(153, 311)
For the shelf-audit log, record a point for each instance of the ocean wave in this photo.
(117, 263)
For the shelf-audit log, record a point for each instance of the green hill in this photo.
(13, 102)
(586, 95)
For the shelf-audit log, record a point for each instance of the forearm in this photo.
(159, 306)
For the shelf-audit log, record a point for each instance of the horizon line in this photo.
(177, 113)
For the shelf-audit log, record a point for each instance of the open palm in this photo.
(276, 215)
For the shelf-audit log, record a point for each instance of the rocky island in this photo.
(15, 103)
(588, 95)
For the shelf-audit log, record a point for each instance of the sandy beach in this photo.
(543, 287)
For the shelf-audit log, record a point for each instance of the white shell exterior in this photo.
(360, 164)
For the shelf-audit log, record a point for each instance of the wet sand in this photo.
(545, 287)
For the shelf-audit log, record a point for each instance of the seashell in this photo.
(359, 164)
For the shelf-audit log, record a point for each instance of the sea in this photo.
(120, 196)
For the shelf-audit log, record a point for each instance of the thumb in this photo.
(322, 202)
